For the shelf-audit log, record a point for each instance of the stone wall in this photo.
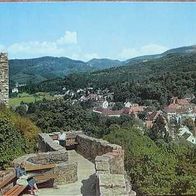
(65, 170)
(4, 79)
(46, 144)
(108, 158)
(109, 164)
(55, 157)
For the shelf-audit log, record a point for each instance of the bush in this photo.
(12, 144)
(18, 135)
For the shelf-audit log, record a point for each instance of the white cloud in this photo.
(34, 49)
(153, 49)
(149, 49)
(84, 56)
(128, 53)
(88, 56)
(68, 38)
(65, 45)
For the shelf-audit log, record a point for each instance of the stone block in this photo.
(102, 164)
(112, 184)
(112, 180)
(49, 157)
(66, 173)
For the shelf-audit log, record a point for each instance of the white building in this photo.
(187, 134)
(127, 104)
(15, 90)
(105, 104)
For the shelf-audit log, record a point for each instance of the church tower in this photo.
(4, 79)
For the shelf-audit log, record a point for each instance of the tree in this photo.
(189, 123)
(12, 144)
(180, 187)
(158, 131)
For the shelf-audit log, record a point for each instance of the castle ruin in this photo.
(4, 79)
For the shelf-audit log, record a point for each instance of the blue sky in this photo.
(95, 30)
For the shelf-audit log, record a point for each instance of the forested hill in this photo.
(104, 63)
(146, 79)
(150, 82)
(45, 68)
(138, 71)
(40, 69)
(174, 61)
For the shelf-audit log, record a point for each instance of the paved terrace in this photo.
(99, 168)
(86, 179)
(95, 167)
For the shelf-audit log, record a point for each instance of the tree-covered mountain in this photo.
(151, 81)
(168, 64)
(182, 50)
(104, 63)
(45, 68)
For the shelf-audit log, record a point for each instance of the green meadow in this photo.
(29, 98)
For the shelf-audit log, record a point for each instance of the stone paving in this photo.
(86, 180)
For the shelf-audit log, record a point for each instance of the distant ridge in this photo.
(36, 70)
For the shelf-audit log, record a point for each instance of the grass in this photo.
(27, 98)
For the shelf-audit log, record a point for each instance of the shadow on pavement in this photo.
(89, 186)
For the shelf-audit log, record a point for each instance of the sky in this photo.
(86, 30)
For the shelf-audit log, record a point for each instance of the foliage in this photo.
(152, 82)
(155, 167)
(12, 144)
(18, 135)
(152, 168)
(158, 130)
(31, 71)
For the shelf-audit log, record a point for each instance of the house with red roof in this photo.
(133, 109)
(180, 109)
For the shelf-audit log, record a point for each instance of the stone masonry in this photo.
(109, 165)
(108, 160)
(4, 79)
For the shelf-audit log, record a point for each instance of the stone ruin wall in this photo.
(46, 144)
(4, 79)
(101, 152)
(65, 170)
(109, 165)
(49, 153)
(108, 159)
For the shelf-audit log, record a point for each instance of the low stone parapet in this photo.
(90, 147)
(66, 173)
(46, 143)
(112, 184)
(51, 152)
(63, 170)
(50, 157)
(108, 159)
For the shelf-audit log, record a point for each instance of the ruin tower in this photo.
(4, 79)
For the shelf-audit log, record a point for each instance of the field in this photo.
(27, 98)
